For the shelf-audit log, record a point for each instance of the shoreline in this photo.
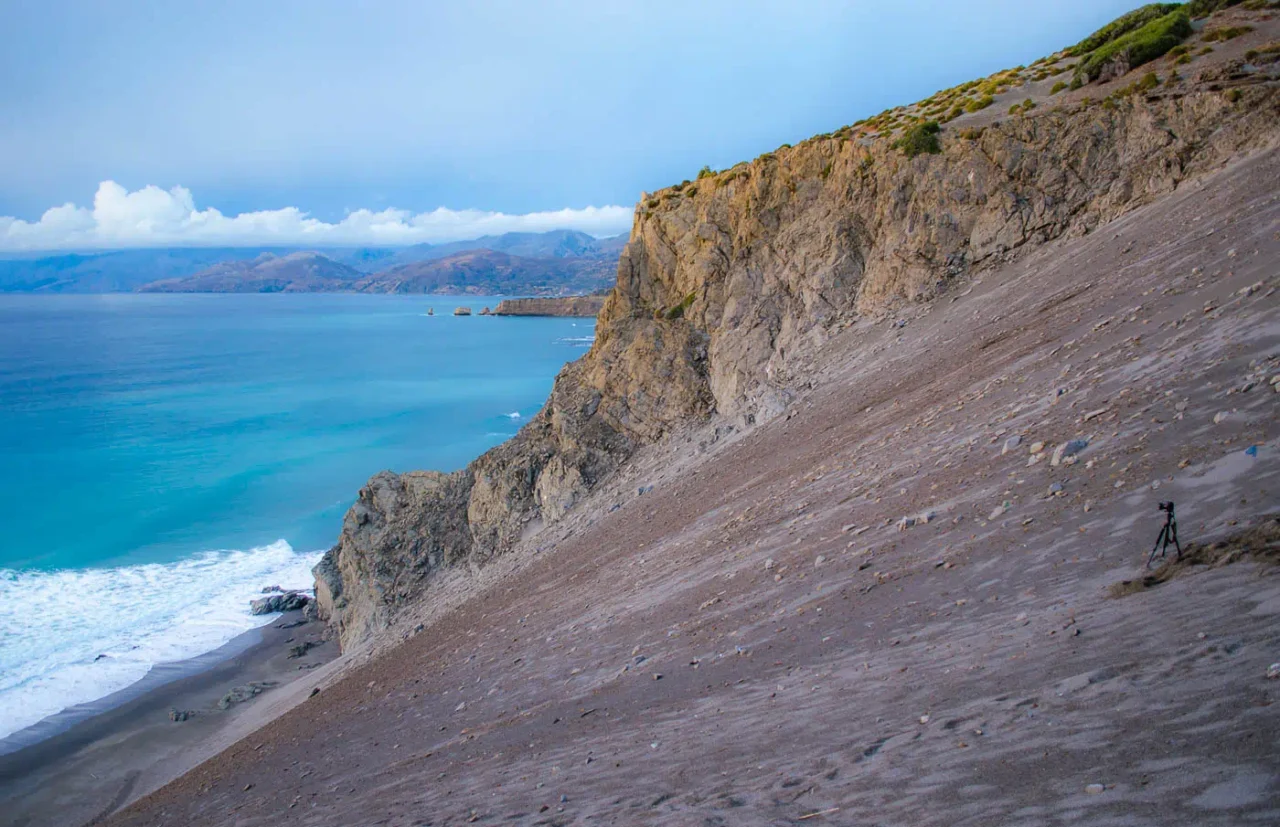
(85, 762)
(156, 678)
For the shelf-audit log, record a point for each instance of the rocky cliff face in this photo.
(729, 283)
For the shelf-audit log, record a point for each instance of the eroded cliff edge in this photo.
(729, 283)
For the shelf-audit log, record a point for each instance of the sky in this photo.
(133, 124)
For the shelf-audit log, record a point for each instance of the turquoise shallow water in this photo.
(163, 451)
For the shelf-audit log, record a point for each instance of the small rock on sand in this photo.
(1067, 449)
(1037, 447)
(1010, 443)
(1094, 789)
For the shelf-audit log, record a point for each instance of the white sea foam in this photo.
(55, 625)
(513, 415)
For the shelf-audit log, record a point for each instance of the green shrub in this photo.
(1076, 83)
(920, 139)
(1203, 8)
(1148, 82)
(705, 172)
(1223, 35)
(1234, 96)
(1183, 59)
(1057, 87)
(1121, 26)
(1140, 45)
(1207, 50)
(678, 311)
(981, 103)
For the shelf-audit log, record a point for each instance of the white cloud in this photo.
(152, 217)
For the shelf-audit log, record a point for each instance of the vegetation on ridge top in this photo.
(1135, 38)
(1122, 25)
(1138, 46)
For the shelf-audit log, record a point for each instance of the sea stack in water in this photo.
(462, 311)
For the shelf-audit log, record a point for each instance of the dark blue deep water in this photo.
(162, 454)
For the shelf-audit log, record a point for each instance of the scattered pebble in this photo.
(1067, 449)
(1273, 671)
(1094, 789)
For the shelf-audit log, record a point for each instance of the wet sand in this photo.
(82, 764)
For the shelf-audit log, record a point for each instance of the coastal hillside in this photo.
(491, 272)
(893, 607)
(268, 273)
(846, 515)
(731, 283)
(552, 244)
(475, 272)
(221, 269)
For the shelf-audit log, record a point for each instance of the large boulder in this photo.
(287, 602)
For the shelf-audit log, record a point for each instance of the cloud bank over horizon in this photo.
(154, 217)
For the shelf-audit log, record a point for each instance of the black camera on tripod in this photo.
(1167, 506)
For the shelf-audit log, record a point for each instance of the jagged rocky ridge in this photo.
(729, 283)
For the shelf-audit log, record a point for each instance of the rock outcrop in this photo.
(729, 284)
(287, 602)
(564, 306)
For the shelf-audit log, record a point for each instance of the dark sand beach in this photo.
(82, 764)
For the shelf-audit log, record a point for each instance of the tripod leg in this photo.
(1175, 540)
(1162, 537)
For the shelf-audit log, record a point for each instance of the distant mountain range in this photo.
(551, 263)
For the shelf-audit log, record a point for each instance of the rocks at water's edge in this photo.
(287, 602)
(245, 692)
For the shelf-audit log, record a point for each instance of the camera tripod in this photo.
(1168, 535)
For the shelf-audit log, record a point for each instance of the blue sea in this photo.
(164, 458)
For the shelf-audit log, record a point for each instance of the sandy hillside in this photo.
(763, 639)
